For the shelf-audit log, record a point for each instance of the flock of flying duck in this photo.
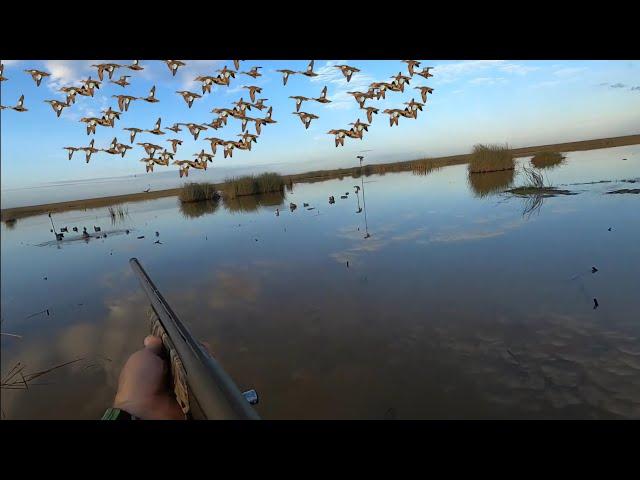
(160, 155)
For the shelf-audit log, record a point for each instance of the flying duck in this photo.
(109, 67)
(323, 96)
(194, 129)
(306, 118)
(285, 75)
(122, 81)
(252, 73)
(174, 144)
(57, 106)
(71, 150)
(347, 71)
(370, 111)
(424, 91)
(411, 64)
(135, 66)
(425, 72)
(174, 65)
(299, 99)
(156, 129)
(37, 75)
(152, 96)
(252, 91)
(133, 131)
(309, 71)
(124, 101)
(150, 148)
(189, 97)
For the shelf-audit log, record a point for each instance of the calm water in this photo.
(455, 306)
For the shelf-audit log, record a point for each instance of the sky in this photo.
(474, 101)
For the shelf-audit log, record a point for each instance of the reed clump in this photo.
(198, 192)
(491, 158)
(118, 213)
(253, 185)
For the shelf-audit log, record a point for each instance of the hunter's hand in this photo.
(143, 389)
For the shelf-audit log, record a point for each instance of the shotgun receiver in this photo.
(212, 394)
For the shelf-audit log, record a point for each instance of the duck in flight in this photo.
(424, 91)
(174, 144)
(189, 97)
(370, 111)
(411, 64)
(135, 66)
(124, 101)
(122, 81)
(174, 65)
(299, 99)
(425, 72)
(151, 98)
(309, 71)
(109, 67)
(252, 91)
(133, 132)
(347, 71)
(323, 96)
(285, 75)
(253, 72)
(156, 129)
(71, 150)
(57, 106)
(306, 118)
(37, 75)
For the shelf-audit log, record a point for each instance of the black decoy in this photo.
(157, 234)
(75, 229)
(293, 206)
(59, 236)
(595, 303)
(305, 204)
(594, 269)
(97, 229)
(609, 228)
(64, 229)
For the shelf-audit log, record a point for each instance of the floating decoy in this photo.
(174, 65)
(37, 75)
(594, 269)
(292, 206)
(343, 196)
(305, 204)
(75, 229)
(357, 187)
(59, 237)
(64, 229)
(595, 303)
(285, 75)
(97, 229)
(332, 200)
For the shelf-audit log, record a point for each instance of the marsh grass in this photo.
(253, 185)
(491, 158)
(547, 159)
(18, 378)
(118, 213)
(198, 192)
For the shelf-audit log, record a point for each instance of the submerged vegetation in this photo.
(252, 185)
(534, 191)
(198, 192)
(118, 213)
(491, 158)
(547, 159)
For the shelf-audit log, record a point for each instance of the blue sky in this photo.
(519, 102)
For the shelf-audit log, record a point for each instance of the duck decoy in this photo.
(97, 229)
(59, 237)
(305, 204)
(75, 229)
(343, 196)
(594, 269)
(595, 303)
(332, 199)
(65, 229)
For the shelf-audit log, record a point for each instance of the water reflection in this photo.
(198, 209)
(251, 203)
(454, 308)
(11, 223)
(484, 184)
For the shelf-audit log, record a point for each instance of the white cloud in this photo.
(450, 72)
(488, 81)
(569, 72)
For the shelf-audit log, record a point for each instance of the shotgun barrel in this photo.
(212, 393)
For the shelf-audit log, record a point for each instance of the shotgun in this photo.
(212, 394)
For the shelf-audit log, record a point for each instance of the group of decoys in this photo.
(238, 110)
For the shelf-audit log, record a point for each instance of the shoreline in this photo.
(318, 175)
